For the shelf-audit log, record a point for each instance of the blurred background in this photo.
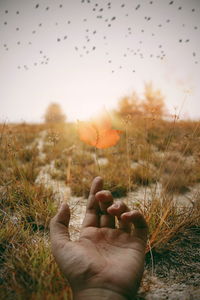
(86, 55)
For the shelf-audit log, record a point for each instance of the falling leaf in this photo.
(98, 132)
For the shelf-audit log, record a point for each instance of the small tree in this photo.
(129, 105)
(54, 114)
(153, 104)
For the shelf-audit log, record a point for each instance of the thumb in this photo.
(59, 230)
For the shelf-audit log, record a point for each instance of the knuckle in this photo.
(123, 206)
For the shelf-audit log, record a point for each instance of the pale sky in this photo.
(86, 55)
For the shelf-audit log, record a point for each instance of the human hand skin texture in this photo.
(107, 261)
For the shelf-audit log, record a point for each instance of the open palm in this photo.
(104, 257)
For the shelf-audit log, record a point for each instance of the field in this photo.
(154, 167)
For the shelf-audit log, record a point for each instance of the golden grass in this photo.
(162, 152)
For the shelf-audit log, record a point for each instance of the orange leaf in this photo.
(98, 133)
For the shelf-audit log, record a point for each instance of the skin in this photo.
(107, 261)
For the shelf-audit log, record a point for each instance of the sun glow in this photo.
(98, 132)
(87, 108)
(87, 112)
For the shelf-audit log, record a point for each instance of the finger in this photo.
(117, 209)
(59, 233)
(139, 222)
(92, 209)
(105, 200)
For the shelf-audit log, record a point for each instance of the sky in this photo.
(87, 54)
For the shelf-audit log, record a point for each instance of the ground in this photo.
(42, 165)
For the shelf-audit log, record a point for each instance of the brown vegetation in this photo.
(152, 154)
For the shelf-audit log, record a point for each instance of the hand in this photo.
(106, 262)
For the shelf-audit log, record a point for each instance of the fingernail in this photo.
(115, 205)
(127, 214)
(61, 206)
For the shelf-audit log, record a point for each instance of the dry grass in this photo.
(149, 152)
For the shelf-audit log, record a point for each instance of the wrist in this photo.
(98, 294)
